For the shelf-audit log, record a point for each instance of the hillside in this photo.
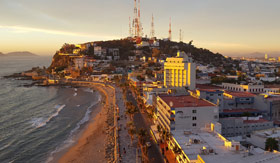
(1, 54)
(21, 54)
(126, 48)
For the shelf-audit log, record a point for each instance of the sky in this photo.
(230, 27)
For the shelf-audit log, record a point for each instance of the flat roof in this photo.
(240, 94)
(268, 133)
(207, 86)
(220, 154)
(185, 101)
(256, 121)
(210, 90)
(240, 110)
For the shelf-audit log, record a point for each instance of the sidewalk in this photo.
(127, 151)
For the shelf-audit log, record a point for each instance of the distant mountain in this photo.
(1, 54)
(21, 54)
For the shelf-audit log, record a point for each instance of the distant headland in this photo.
(18, 54)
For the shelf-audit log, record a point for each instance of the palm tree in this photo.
(142, 133)
(131, 132)
(131, 111)
(177, 151)
(166, 137)
(129, 124)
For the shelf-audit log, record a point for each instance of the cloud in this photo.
(23, 29)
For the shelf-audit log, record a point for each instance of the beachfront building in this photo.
(184, 112)
(180, 71)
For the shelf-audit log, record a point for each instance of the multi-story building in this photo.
(269, 104)
(258, 138)
(98, 50)
(79, 62)
(180, 71)
(252, 88)
(185, 112)
(239, 126)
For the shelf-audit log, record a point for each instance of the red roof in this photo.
(255, 121)
(185, 101)
(239, 110)
(207, 86)
(209, 90)
(240, 94)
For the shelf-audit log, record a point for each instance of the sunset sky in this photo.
(226, 26)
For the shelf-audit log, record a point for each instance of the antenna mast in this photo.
(152, 28)
(170, 31)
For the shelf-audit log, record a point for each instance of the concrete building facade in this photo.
(243, 126)
(185, 112)
(180, 71)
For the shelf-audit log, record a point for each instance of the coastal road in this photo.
(142, 121)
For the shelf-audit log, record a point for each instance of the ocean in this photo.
(38, 122)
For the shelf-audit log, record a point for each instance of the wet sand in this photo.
(91, 145)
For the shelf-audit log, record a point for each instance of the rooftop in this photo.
(185, 101)
(240, 110)
(217, 151)
(207, 86)
(240, 94)
(269, 133)
(256, 121)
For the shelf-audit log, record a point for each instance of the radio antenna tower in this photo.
(135, 21)
(140, 29)
(170, 31)
(152, 28)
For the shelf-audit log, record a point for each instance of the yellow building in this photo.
(180, 71)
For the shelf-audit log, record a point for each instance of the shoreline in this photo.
(91, 144)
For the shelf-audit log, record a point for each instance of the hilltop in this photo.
(159, 49)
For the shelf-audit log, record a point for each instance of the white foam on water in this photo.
(40, 122)
(88, 90)
(67, 143)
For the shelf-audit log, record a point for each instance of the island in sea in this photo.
(18, 54)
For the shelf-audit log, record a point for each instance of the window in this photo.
(194, 124)
(193, 111)
(193, 118)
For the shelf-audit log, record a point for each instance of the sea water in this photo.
(36, 122)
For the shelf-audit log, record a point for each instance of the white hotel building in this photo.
(180, 71)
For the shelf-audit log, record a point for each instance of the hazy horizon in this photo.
(222, 26)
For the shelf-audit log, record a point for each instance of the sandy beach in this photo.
(91, 145)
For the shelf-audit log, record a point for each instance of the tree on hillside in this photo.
(155, 52)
